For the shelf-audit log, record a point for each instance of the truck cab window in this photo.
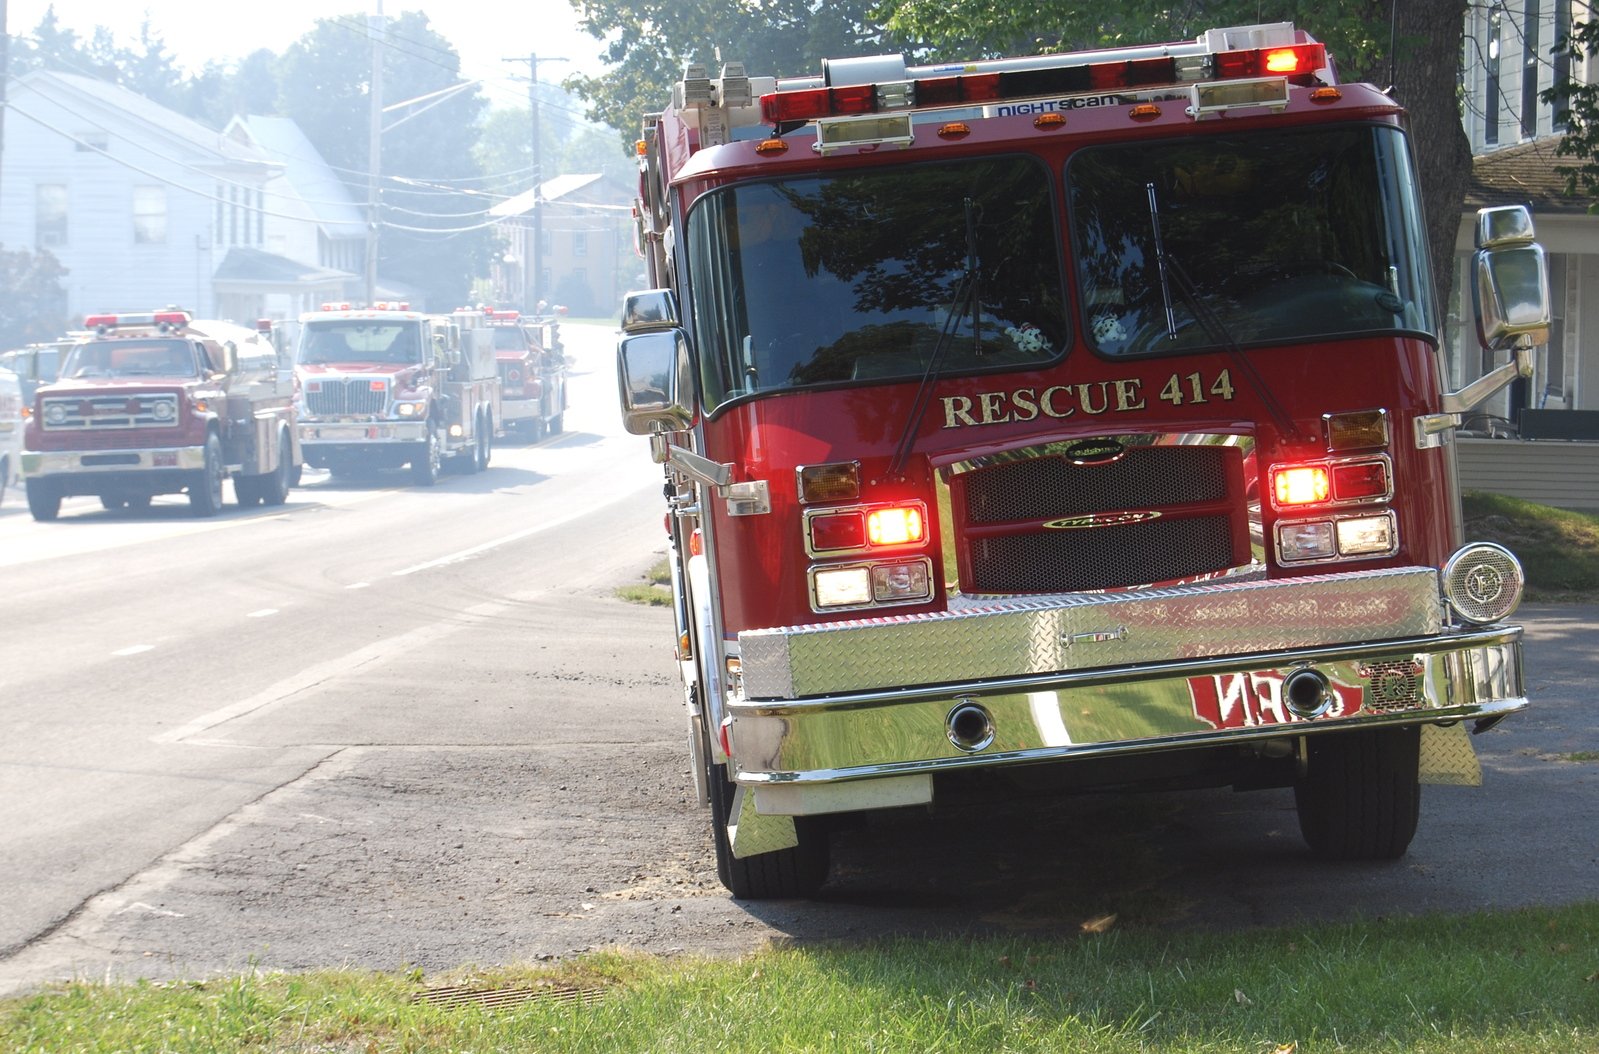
(1279, 236)
(858, 276)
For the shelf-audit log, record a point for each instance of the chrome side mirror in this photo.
(649, 310)
(1511, 292)
(653, 376)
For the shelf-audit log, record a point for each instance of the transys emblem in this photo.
(1101, 519)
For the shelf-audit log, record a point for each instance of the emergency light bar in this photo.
(1296, 62)
(162, 320)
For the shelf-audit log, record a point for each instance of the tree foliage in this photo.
(434, 235)
(33, 302)
(650, 41)
(1577, 105)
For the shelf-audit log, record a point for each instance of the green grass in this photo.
(1478, 984)
(1558, 549)
(655, 589)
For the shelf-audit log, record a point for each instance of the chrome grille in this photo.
(1161, 509)
(110, 412)
(346, 396)
(1070, 561)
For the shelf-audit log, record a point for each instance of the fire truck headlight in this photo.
(895, 582)
(843, 587)
(412, 409)
(55, 413)
(163, 410)
(1305, 541)
(1366, 536)
(1483, 582)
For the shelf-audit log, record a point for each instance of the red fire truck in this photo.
(161, 403)
(385, 386)
(1073, 421)
(532, 372)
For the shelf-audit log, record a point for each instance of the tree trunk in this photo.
(1428, 34)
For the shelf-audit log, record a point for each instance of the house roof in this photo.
(100, 103)
(593, 189)
(253, 266)
(315, 183)
(1524, 174)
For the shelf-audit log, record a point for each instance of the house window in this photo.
(1529, 70)
(580, 243)
(1490, 99)
(50, 215)
(260, 216)
(221, 198)
(1562, 60)
(233, 215)
(149, 215)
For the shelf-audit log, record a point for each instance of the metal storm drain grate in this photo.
(499, 999)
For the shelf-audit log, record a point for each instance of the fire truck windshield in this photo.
(510, 338)
(853, 277)
(359, 340)
(171, 357)
(1269, 238)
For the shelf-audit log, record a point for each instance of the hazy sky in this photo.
(484, 32)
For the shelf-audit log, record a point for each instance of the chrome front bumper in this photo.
(38, 464)
(346, 433)
(1110, 674)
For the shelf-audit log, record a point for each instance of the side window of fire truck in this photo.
(1267, 237)
(861, 276)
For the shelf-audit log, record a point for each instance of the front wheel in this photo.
(783, 874)
(425, 466)
(275, 485)
(1360, 797)
(44, 501)
(205, 493)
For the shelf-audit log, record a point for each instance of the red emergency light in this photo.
(1296, 62)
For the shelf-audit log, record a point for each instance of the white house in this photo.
(584, 223)
(1538, 439)
(146, 208)
(139, 203)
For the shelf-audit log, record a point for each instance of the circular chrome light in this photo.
(55, 413)
(1483, 582)
(163, 410)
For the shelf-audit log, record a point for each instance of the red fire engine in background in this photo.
(1070, 421)
(386, 386)
(532, 367)
(161, 403)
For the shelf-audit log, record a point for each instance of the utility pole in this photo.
(374, 156)
(534, 260)
(5, 73)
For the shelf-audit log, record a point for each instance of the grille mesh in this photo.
(1145, 477)
(347, 397)
(1394, 685)
(1064, 561)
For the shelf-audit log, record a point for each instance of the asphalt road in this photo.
(385, 727)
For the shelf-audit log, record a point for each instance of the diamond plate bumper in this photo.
(1161, 669)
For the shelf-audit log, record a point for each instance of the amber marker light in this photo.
(1301, 485)
(1048, 122)
(1147, 111)
(896, 525)
(771, 147)
(840, 481)
(1326, 95)
(954, 130)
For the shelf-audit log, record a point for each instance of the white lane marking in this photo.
(263, 613)
(408, 642)
(466, 554)
(357, 585)
(133, 650)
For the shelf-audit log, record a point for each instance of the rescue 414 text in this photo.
(1064, 400)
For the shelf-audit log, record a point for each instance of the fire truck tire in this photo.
(425, 468)
(44, 501)
(205, 493)
(785, 874)
(1360, 797)
(274, 486)
(485, 443)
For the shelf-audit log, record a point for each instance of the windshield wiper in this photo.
(965, 296)
(1213, 326)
